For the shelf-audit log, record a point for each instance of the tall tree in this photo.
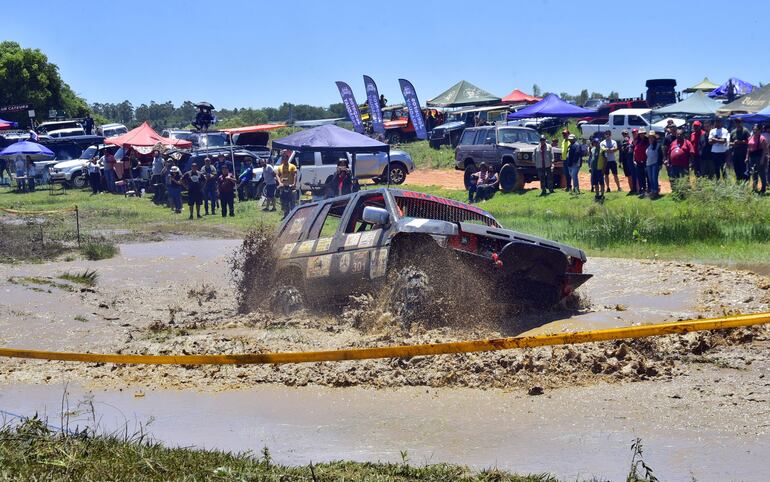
(536, 91)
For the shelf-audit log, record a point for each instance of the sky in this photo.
(240, 53)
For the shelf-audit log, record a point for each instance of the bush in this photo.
(99, 248)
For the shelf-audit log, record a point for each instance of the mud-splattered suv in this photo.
(498, 145)
(348, 244)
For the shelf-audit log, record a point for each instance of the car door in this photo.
(485, 145)
(362, 253)
(370, 164)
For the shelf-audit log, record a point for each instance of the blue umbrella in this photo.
(27, 148)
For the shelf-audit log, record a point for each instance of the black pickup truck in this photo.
(348, 244)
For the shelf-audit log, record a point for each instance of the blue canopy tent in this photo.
(27, 148)
(739, 87)
(551, 106)
(755, 118)
(330, 138)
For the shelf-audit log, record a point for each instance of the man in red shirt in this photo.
(640, 144)
(697, 140)
(680, 153)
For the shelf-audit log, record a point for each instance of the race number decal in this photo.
(368, 238)
(306, 247)
(378, 263)
(360, 259)
(323, 245)
(286, 250)
(319, 266)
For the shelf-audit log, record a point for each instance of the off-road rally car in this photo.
(424, 246)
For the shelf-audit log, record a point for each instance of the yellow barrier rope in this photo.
(33, 213)
(679, 327)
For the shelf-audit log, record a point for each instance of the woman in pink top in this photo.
(756, 159)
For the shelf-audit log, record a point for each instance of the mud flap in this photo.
(533, 270)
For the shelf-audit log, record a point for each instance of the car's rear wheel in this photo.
(434, 144)
(470, 170)
(396, 173)
(394, 137)
(79, 181)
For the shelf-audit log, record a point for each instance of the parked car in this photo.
(73, 173)
(624, 120)
(45, 128)
(177, 134)
(66, 148)
(315, 168)
(594, 103)
(604, 110)
(498, 145)
(329, 249)
(75, 131)
(111, 130)
(456, 122)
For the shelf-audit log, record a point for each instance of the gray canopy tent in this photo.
(698, 104)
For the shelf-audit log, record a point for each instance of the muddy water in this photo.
(571, 433)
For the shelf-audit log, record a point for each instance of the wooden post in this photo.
(77, 223)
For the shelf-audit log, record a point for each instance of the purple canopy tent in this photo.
(551, 106)
(740, 87)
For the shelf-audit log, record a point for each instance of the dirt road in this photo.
(451, 179)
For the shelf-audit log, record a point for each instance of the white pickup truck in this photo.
(626, 120)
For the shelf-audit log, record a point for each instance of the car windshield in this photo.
(455, 118)
(89, 153)
(180, 135)
(212, 140)
(418, 205)
(509, 136)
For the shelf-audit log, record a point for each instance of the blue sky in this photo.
(237, 53)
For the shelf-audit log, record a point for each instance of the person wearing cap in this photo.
(209, 173)
(654, 160)
(543, 157)
(739, 142)
(175, 185)
(640, 144)
(226, 185)
(339, 183)
(719, 139)
(596, 163)
(564, 150)
(627, 161)
(194, 182)
(573, 159)
(610, 148)
(698, 141)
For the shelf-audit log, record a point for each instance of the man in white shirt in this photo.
(610, 148)
(719, 138)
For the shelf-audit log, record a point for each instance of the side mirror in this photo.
(376, 216)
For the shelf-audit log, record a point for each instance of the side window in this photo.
(328, 220)
(635, 120)
(331, 158)
(491, 136)
(356, 223)
(468, 137)
(617, 120)
(481, 137)
(293, 228)
(306, 158)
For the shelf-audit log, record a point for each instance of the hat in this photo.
(565, 131)
(572, 137)
(696, 124)
(625, 132)
(634, 130)
(641, 131)
(174, 169)
(543, 138)
(652, 134)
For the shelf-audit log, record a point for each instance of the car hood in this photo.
(510, 235)
(450, 125)
(70, 164)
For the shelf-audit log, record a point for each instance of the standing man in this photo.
(88, 124)
(209, 173)
(572, 162)
(640, 145)
(287, 173)
(271, 182)
(610, 149)
(194, 182)
(226, 184)
(740, 147)
(156, 181)
(627, 162)
(719, 139)
(94, 179)
(543, 157)
(596, 163)
(564, 151)
(680, 153)
(697, 139)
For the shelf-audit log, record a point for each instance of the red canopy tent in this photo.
(145, 136)
(518, 97)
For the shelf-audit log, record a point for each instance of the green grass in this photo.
(95, 249)
(425, 157)
(33, 451)
(85, 278)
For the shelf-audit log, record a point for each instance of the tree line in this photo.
(579, 99)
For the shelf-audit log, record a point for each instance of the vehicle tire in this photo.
(397, 174)
(518, 185)
(286, 299)
(79, 181)
(508, 177)
(434, 145)
(454, 139)
(411, 295)
(470, 169)
(394, 138)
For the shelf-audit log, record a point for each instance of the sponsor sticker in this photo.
(351, 240)
(344, 263)
(296, 226)
(319, 266)
(323, 244)
(368, 238)
(378, 263)
(306, 247)
(360, 259)
(287, 249)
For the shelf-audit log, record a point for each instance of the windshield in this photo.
(180, 135)
(212, 140)
(89, 153)
(115, 131)
(455, 118)
(509, 136)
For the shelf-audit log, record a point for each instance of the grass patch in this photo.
(99, 248)
(425, 157)
(34, 282)
(31, 450)
(81, 318)
(86, 278)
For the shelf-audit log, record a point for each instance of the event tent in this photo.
(463, 94)
(697, 104)
(551, 106)
(703, 86)
(519, 97)
(761, 116)
(37, 152)
(145, 136)
(750, 103)
(740, 87)
(329, 138)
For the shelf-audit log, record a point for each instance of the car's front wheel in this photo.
(396, 172)
(79, 181)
